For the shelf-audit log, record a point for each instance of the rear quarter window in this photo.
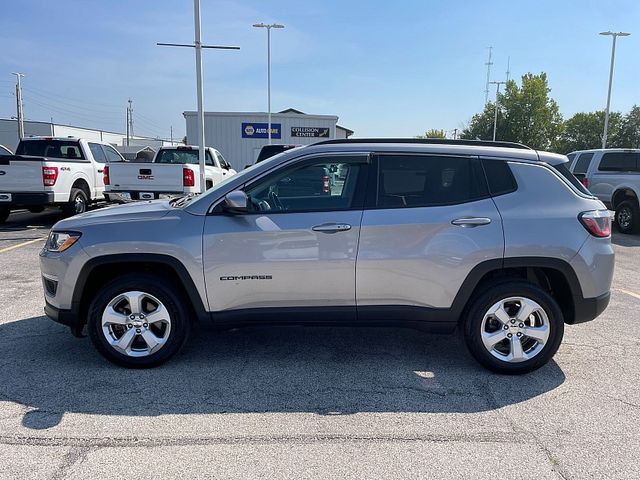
(620, 162)
(582, 164)
(499, 177)
(563, 170)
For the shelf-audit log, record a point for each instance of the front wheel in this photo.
(627, 217)
(514, 328)
(138, 321)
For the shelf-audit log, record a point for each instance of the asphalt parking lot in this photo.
(307, 403)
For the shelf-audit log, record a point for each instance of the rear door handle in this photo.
(101, 170)
(331, 227)
(470, 222)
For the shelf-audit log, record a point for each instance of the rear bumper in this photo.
(587, 309)
(28, 199)
(128, 196)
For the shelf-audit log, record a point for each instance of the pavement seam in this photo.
(92, 442)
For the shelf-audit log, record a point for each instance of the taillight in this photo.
(49, 176)
(597, 222)
(325, 184)
(105, 174)
(188, 178)
(585, 182)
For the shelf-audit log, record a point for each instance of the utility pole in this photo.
(508, 71)
(131, 117)
(455, 133)
(19, 106)
(613, 57)
(495, 117)
(171, 134)
(127, 122)
(198, 46)
(488, 64)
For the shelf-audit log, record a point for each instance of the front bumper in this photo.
(29, 199)
(587, 309)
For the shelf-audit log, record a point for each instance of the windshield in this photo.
(242, 177)
(67, 149)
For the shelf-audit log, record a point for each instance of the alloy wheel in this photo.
(515, 329)
(136, 324)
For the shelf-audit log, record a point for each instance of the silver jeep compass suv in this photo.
(495, 238)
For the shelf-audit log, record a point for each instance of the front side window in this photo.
(97, 152)
(422, 180)
(620, 162)
(320, 185)
(112, 154)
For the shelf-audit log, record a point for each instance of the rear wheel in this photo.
(78, 202)
(4, 214)
(514, 328)
(628, 217)
(138, 321)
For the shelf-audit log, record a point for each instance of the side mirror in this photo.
(236, 202)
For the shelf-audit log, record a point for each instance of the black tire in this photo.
(482, 304)
(628, 217)
(38, 209)
(163, 290)
(4, 214)
(78, 202)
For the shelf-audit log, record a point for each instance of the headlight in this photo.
(60, 241)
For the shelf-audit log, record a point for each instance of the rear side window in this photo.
(98, 154)
(582, 164)
(422, 181)
(620, 162)
(65, 149)
(563, 170)
(499, 177)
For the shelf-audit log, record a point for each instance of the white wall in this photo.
(9, 131)
(223, 131)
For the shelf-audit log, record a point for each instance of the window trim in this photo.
(361, 183)
(372, 185)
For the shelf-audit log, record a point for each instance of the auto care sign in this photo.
(260, 130)
(320, 132)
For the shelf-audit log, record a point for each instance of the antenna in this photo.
(488, 64)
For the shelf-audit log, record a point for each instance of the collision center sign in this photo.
(260, 130)
(320, 132)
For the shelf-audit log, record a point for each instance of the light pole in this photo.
(198, 46)
(268, 27)
(19, 105)
(495, 116)
(613, 56)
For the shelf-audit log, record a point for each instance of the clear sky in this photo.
(385, 68)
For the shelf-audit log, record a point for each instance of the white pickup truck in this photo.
(173, 172)
(66, 172)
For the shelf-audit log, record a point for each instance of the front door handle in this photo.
(331, 227)
(470, 222)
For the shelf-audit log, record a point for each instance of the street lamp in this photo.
(495, 116)
(268, 27)
(613, 56)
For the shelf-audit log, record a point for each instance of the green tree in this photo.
(629, 135)
(584, 131)
(433, 133)
(526, 114)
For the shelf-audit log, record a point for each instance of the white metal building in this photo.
(239, 136)
(9, 134)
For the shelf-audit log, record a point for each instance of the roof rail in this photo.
(428, 141)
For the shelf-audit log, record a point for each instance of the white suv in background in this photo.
(613, 175)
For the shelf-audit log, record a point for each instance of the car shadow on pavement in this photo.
(323, 370)
(625, 240)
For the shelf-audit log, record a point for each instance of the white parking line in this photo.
(633, 294)
(23, 244)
